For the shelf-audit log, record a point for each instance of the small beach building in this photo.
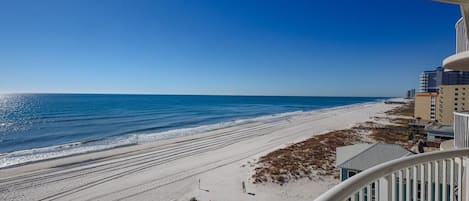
(356, 158)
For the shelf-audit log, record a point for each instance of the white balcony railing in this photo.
(461, 129)
(462, 44)
(435, 176)
(460, 60)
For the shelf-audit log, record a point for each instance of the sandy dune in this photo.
(171, 170)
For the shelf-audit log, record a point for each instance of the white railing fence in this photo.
(436, 176)
(461, 129)
(462, 44)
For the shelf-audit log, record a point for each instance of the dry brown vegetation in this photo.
(391, 135)
(301, 159)
(404, 110)
(401, 121)
(316, 156)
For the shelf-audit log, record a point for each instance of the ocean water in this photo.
(41, 126)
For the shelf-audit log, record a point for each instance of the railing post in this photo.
(437, 180)
(444, 174)
(466, 178)
(429, 182)
(451, 180)
(401, 195)
(408, 187)
(385, 190)
(422, 182)
(460, 177)
(414, 184)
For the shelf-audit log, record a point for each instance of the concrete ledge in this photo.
(458, 61)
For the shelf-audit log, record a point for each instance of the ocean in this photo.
(41, 126)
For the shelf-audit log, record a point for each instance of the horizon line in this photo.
(164, 94)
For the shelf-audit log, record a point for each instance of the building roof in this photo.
(363, 156)
(426, 94)
(441, 128)
(440, 131)
(347, 152)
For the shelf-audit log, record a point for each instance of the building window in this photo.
(455, 109)
(455, 94)
(455, 99)
(351, 173)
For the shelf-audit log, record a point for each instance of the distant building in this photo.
(356, 158)
(425, 106)
(410, 94)
(431, 80)
(452, 98)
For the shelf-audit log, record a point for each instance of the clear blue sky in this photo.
(329, 48)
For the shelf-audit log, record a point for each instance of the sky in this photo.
(237, 47)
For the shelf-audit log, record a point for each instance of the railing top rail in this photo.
(462, 113)
(345, 189)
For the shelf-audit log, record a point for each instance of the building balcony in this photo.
(435, 176)
(458, 61)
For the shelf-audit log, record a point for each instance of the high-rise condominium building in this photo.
(451, 98)
(431, 80)
(410, 94)
(425, 106)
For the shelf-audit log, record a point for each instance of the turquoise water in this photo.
(40, 126)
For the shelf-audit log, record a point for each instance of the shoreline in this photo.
(33, 155)
(170, 169)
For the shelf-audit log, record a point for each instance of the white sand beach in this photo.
(171, 169)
